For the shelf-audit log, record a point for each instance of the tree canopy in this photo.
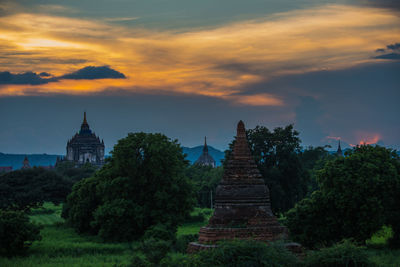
(142, 184)
(24, 189)
(358, 194)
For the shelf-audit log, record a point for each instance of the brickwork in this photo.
(242, 204)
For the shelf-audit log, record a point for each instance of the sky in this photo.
(191, 69)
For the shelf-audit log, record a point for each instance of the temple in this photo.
(25, 163)
(85, 147)
(242, 203)
(339, 151)
(205, 159)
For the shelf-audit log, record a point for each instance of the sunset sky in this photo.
(191, 69)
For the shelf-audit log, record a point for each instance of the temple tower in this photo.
(205, 159)
(242, 203)
(339, 151)
(25, 163)
(85, 147)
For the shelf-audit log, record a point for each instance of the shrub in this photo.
(344, 254)
(160, 231)
(245, 253)
(176, 260)
(183, 241)
(16, 233)
(155, 249)
(139, 260)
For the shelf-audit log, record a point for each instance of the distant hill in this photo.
(194, 153)
(15, 160)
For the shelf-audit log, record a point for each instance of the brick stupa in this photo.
(242, 203)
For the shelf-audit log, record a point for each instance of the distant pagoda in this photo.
(242, 203)
(25, 164)
(205, 159)
(339, 151)
(85, 147)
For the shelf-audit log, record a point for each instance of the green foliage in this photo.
(16, 232)
(71, 172)
(358, 194)
(344, 254)
(205, 180)
(183, 241)
(155, 249)
(245, 253)
(160, 231)
(139, 260)
(176, 260)
(143, 184)
(25, 189)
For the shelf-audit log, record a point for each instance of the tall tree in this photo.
(143, 184)
(358, 194)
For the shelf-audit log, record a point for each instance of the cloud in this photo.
(86, 73)
(391, 4)
(22, 78)
(91, 73)
(45, 74)
(391, 56)
(395, 46)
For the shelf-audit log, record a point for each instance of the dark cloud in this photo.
(391, 56)
(91, 73)
(380, 50)
(32, 78)
(395, 46)
(392, 4)
(23, 78)
(45, 74)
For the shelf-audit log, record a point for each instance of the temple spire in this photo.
(85, 129)
(205, 148)
(84, 118)
(339, 150)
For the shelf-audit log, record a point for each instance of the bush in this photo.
(344, 254)
(160, 231)
(155, 249)
(139, 260)
(176, 260)
(16, 233)
(142, 185)
(183, 241)
(245, 253)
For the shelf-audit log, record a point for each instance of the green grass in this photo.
(62, 246)
(194, 227)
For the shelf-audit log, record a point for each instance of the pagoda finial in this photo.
(84, 117)
(241, 131)
(205, 148)
(339, 150)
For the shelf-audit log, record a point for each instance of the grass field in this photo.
(62, 246)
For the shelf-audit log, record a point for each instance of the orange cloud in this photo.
(220, 62)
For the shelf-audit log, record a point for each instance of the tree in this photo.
(143, 184)
(277, 157)
(16, 232)
(24, 189)
(71, 172)
(205, 179)
(358, 194)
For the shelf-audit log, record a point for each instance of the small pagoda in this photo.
(242, 203)
(205, 159)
